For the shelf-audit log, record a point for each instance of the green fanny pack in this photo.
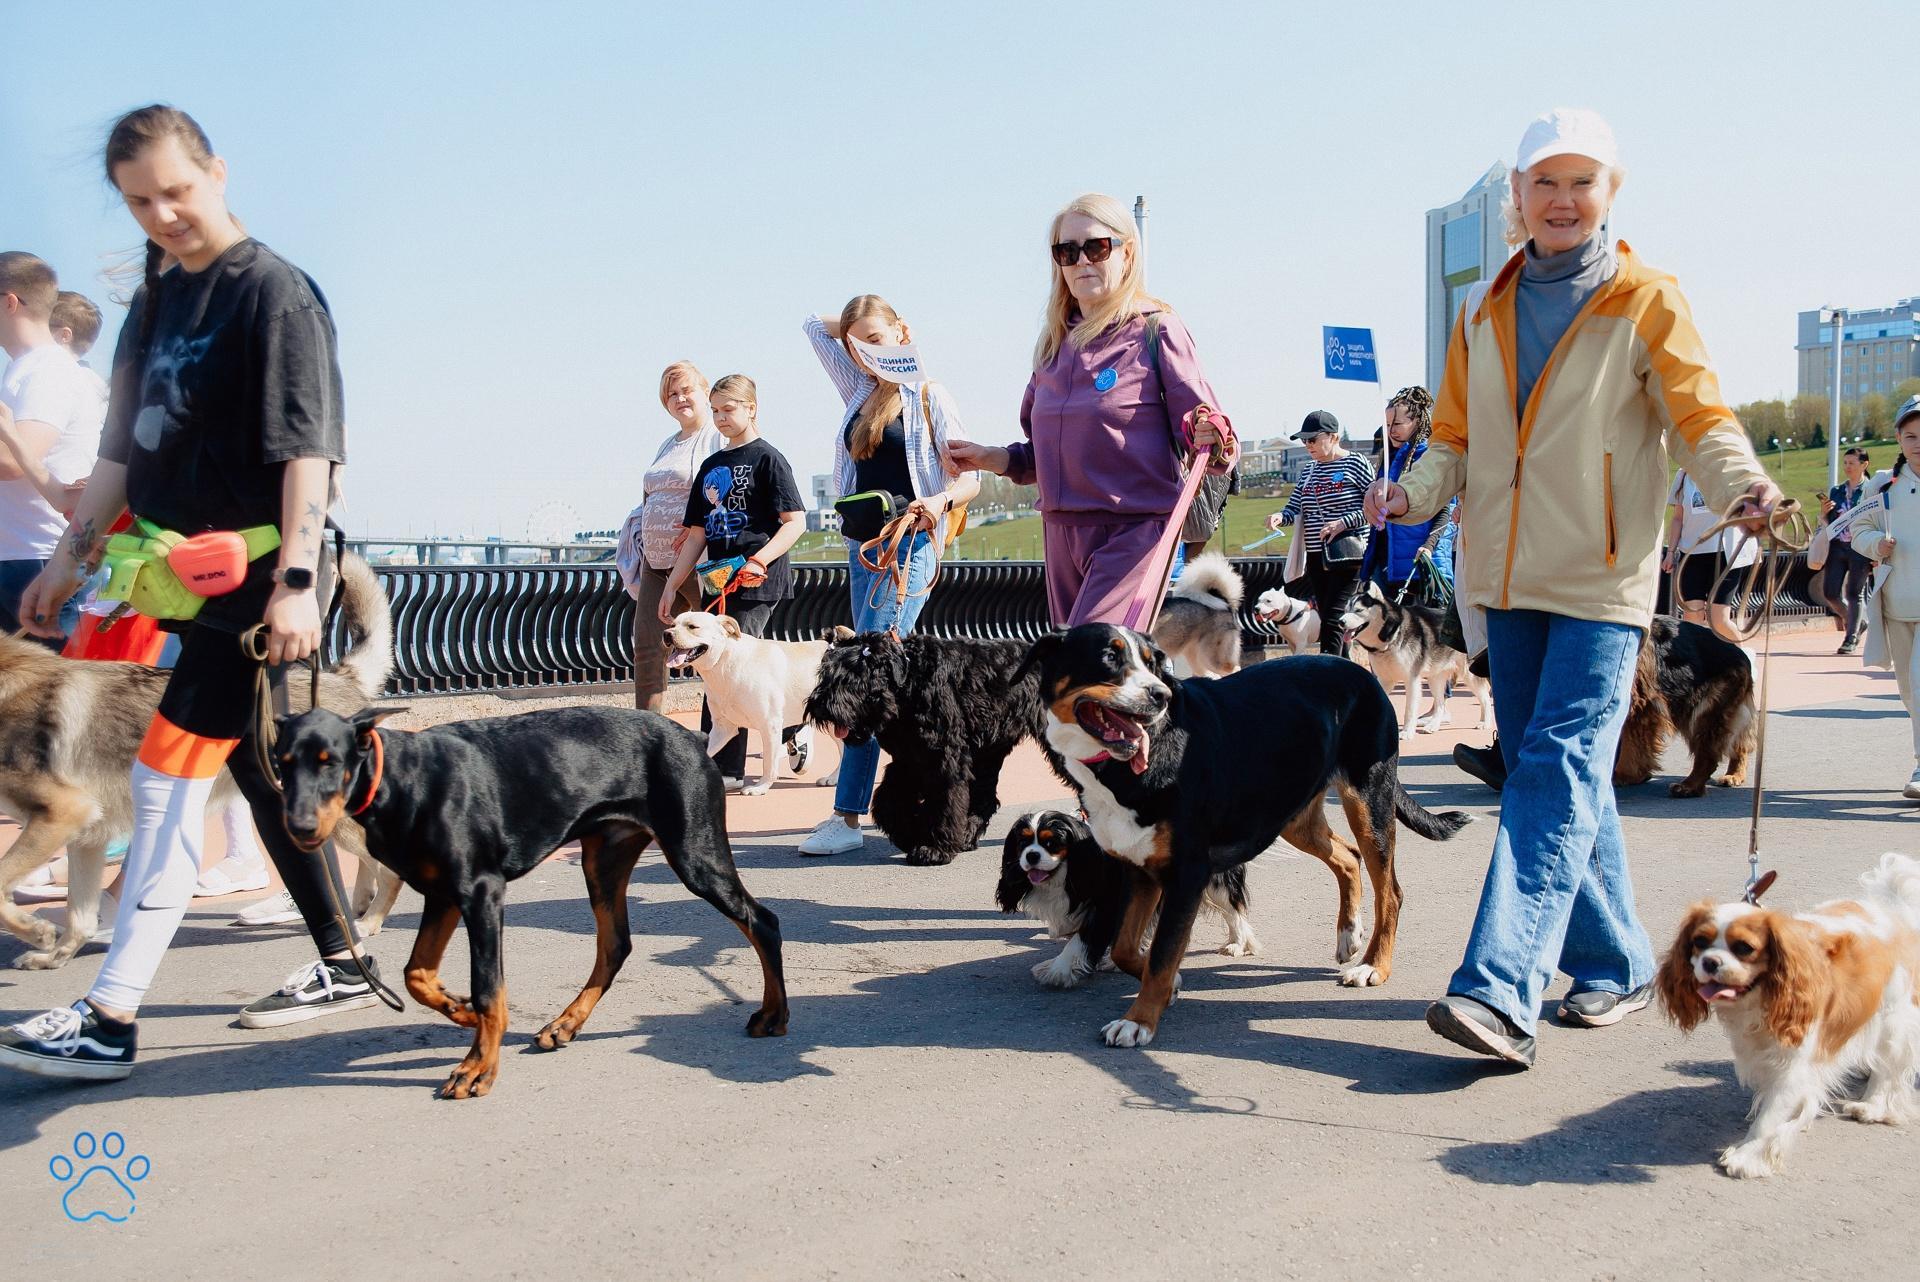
(166, 575)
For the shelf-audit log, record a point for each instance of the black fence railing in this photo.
(463, 629)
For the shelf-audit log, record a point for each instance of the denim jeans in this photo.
(14, 578)
(877, 607)
(1557, 890)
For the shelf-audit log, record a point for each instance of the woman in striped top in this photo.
(1327, 501)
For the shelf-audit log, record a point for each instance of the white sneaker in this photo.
(274, 910)
(1911, 792)
(39, 886)
(833, 836)
(231, 876)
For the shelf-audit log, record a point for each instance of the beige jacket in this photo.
(1563, 507)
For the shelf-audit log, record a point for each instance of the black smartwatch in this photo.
(297, 577)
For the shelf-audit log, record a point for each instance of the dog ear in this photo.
(1038, 653)
(1679, 989)
(1796, 979)
(838, 634)
(366, 719)
(730, 625)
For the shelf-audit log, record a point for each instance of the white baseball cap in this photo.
(1567, 131)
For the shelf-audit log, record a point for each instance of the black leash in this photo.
(253, 644)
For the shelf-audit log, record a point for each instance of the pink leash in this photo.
(1145, 606)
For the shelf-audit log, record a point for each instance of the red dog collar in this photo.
(379, 768)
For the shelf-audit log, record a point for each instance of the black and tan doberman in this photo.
(461, 810)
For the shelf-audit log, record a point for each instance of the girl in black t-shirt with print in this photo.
(225, 413)
(744, 503)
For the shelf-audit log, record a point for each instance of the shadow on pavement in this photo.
(1622, 1141)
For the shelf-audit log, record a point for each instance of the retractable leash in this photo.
(253, 644)
(1785, 529)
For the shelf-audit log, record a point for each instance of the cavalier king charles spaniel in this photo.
(1811, 1001)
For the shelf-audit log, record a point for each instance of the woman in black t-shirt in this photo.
(744, 503)
(225, 414)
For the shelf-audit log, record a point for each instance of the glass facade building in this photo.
(1880, 349)
(1465, 245)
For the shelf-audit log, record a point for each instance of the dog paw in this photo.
(1732, 781)
(1245, 946)
(40, 934)
(1876, 1112)
(556, 1035)
(43, 959)
(1346, 944)
(758, 788)
(768, 1022)
(1058, 972)
(1361, 975)
(1124, 1032)
(924, 857)
(468, 1081)
(1749, 1161)
(1407, 733)
(1685, 789)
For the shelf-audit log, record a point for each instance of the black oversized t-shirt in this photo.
(238, 377)
(738, 496)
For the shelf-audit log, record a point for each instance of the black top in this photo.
(239, 377)
(886, 469)
(737, 498)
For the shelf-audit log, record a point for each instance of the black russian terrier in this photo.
(946, 713)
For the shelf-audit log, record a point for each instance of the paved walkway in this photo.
(933, 1113)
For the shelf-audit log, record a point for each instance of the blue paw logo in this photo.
(99, 1185)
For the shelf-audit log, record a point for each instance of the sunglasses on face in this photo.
(1097, 250)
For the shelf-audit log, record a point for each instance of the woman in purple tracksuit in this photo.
(1101, 420)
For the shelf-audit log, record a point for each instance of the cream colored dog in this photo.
(752, 683)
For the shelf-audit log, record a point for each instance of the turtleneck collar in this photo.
(1547, 269)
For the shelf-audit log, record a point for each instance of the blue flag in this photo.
(1349, 354)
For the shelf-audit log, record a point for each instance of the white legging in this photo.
(163, 863)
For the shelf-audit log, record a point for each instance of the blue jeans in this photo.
(1557, 889)
(14, 578)
(876, 607)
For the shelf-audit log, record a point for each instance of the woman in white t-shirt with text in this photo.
(650, 539)
(1706, 555)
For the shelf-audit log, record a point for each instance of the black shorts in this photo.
(1698, 574)
(211, 691)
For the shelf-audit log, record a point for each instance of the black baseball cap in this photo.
(1316, 424)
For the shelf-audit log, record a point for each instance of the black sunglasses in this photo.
(1097, 250)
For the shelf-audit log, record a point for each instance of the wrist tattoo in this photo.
(81, 539)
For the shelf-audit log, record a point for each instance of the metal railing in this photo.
(476, 628)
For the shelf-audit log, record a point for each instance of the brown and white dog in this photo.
(1809, 1001)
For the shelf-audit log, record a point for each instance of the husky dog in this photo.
(69, 734)
(1199, 623)
(1298, 622)
(1403, 644)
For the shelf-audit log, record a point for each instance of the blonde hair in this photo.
(737, 387)
(1128, 299)
(882, 405)
(674, 371)
(1513, 228)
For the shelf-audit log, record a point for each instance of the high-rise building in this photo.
(1465, 245)
(1880, 349)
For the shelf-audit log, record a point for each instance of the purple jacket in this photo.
(1098, 455)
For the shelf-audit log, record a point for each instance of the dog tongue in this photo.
(1139, 759)
(1718, 992)
(1035, 876)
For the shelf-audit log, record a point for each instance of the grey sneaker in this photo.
(1595, 1009)
(1480, 1028)
(1912, 791)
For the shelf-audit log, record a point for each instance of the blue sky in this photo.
(521, 215)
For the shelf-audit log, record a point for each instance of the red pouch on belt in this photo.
(210, 564)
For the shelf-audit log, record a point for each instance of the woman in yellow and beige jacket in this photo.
(1568, 380)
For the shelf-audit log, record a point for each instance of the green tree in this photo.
(1805, 414)
(1872, 415)
(1903, 390)
(1764, 420)
(1818, 440)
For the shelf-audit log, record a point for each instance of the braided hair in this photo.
(1417, 401)
(132, 134)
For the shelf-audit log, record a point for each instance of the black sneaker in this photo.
(1849, 646)
(1595, 1009)
(1484, 764)
(1480, 1028)
(69, 1042)
(316, 989)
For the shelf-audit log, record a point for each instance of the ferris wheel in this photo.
(552, 522)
